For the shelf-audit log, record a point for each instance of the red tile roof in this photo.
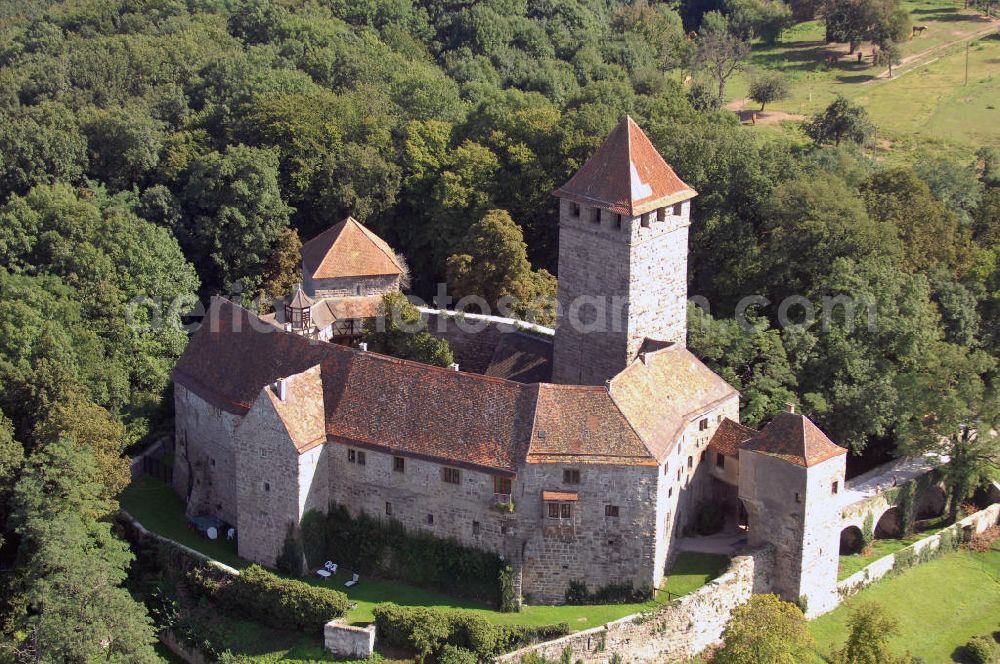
(728, 438)
(561, 496)
(348, 250)
(795, 439)
(521, 356)
(460, 418)
(664, 390)
(583, 424)
(302, 410)
(626, 175)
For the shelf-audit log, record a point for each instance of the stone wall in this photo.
(204, 460)
(267, 473)
(964, 528)
(347, 641)
(675, 632)
(348, 286)
(620, 281)
(473, 348)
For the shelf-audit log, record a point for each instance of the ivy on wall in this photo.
(385, 548)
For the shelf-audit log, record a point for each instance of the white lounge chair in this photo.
(231, 533)
(323, 573)
(353, 581)
(330, 567)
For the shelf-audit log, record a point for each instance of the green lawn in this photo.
(157, 507)
(926, 108)
(883, 547)
(940, 605)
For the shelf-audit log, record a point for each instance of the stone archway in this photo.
(931, 503)
(851, 541)
(890, 524)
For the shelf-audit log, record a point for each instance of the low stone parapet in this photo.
(348, 641)
(673, 632)
(919, 550)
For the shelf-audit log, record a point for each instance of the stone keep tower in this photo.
(623, 238)
(791, 478)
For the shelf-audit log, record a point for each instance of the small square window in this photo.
(388, 509)
(361, 458)
(690, 462)
(644, 220)
(398, 464)
(263, 453)
(267, 486)
(452, 476)
(571, 476)
(618, 221)
(836, 487)
(501, 485)
(352, 456)
(703, 424)
(720, 460)
(553, 510)
(430, 519)
(678, 209)
(661, 214)
(476, 529)
(565, 510)
(611, 510)
(666, 468)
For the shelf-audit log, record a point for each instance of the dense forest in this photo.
(156, 151)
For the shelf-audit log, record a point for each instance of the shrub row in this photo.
(384, 548)
(425, 631)
(271, 600)
(612, 593)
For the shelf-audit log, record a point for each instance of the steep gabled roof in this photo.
(729, 437)
(348, 250)
(794, 438)
(626, 175)
(661, 392)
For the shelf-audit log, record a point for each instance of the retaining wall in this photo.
(963, 529)
(348, 641)
(674, 632)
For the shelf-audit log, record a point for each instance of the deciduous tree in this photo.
(764, 630)
(766, 88)
(840, 121)
(720, 53)
(397, 330)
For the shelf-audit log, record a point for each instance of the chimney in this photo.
(453, 366)
(280, 388)
(362, 346)
(789, 408)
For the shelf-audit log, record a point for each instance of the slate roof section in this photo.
(348, 249)
(794, 438)
(580, 423)
(729, 437)
(627, 175)
(662, 391)
(522, 357)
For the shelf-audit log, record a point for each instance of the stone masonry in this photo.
(622, 280)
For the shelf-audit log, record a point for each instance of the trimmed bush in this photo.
(271, 600)
(981, 650)
(427, 631)
(455, 655)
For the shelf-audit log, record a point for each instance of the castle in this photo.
(602, 442)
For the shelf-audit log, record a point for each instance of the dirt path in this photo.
(762, 118)
(911, 62)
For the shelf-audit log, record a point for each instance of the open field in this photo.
(940, 605)
(925, 106)
(158, 508)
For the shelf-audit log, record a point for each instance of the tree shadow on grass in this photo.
(856, 78)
